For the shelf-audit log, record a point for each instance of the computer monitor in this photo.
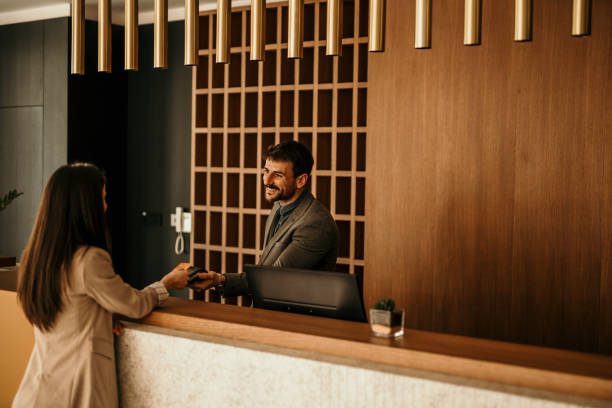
(319, 293)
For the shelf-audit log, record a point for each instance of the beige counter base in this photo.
(161, 367)
(16, 346)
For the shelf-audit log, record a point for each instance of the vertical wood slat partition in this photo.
(491, 214)
(240, 108)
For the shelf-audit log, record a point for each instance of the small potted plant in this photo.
(385, 321)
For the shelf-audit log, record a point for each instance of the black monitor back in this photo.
(320, 293)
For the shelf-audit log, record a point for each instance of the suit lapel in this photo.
(269, 220)
(296, 214)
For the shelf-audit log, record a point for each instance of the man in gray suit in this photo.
(300, 232)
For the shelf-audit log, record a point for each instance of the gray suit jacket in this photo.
(307, 240)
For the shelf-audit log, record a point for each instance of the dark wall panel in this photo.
(490, 214)
(21, 64)
(158, 152)
(21, 150)
(55, 94)
(97, 107)
(33, 117)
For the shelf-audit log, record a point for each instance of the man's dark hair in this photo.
(293, 152)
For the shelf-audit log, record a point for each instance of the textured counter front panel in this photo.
(166, 368)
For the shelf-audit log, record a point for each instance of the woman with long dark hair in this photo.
(69, 291)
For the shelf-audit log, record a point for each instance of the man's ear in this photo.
(301, 180)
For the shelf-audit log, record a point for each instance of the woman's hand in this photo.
(178, 278)
(118, 327)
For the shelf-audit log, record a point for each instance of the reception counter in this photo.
(16, 344)
(191, 353)
(194, 352)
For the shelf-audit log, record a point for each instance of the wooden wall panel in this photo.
(486, 216)
(602, 130)
(559, 185)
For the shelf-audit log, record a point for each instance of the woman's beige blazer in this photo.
(73, 365)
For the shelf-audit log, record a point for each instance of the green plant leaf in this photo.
(385, 304)
(8, 198)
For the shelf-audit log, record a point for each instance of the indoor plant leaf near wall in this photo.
(5, 200)
(8, 198)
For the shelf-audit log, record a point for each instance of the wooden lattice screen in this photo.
(240, 108)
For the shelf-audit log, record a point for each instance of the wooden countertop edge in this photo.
(8, 278)
(490, 371)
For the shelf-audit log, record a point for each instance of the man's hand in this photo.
(207, 280)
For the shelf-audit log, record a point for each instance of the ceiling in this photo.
(17, 11)
(143, 5)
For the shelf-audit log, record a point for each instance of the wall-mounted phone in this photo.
(181, 221)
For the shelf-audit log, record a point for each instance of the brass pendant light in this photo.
(131, 35)
(192, 10)
(334, 27)
(223, 31)
(522, 20)
(376, 42)
(104, 36)
(77, 65)
(472, 24)
(258, 29)
(422, 26)
(160, 37)
(295, 47)
(581, 18)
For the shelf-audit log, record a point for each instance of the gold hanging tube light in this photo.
(377, 26)
(77, 65)
(334, 27)
(160, 35)
(581, 18)
(131, 35)
(295, 47)
(472, 23)
(192, 9)
(258, 29)
(104, 36)
(522, 20)
(422, 25)
(224, 15)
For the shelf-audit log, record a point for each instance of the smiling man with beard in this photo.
(300, 232)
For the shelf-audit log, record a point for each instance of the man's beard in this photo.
(287, 194)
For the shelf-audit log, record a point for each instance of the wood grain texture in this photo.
(557, 245)
(318, 100)
(567, 372)
(8, 278)
(602, 130)
(489, 205)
